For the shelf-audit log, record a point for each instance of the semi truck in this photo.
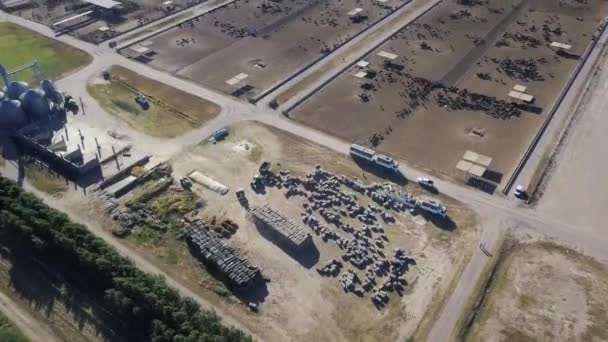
(369, 155)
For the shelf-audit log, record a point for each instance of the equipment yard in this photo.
(541, 290)
(346, 271)
(96, 21)
(449, 75)
(248, 46)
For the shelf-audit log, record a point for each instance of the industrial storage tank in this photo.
(51, 92)
(35, 105)
(16, 89)
(12, 115)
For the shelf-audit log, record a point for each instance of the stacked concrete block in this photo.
(214, 252)
(285, 231)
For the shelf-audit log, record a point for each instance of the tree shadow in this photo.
(493, 176)
(256, 293)
(41, 286)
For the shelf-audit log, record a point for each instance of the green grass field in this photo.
(21, 46)
(8, 332)
(157, 121)
(44, 181)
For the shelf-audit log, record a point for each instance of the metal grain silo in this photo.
(12, 115)
(35, 105)
(16, 89)
(51, 92)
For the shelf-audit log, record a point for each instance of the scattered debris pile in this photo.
(215, 253)
(225, 228)
(286, 232)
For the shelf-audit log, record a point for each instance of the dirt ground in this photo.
(135, 14)
(171, 113)
(298, 303)
(401, 103)
(544, 292)
(269, 41)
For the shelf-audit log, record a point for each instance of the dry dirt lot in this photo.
(268, 40)
(455, 67)
(171, 113)
(298, 303)
(544, 292)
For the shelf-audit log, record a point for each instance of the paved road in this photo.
(496, 211)
(29, 326)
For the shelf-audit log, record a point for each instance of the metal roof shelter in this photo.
(140, 49)
(476, 158)
(474, 163)
(361, 74)
(464, 165)
(521, 96)
(477, 170)
(362, 64)
(520, 88)
(355, 11)
(236, 79)
(107, 4)
(387, 55)
(483, 160)
(470, 156)
(561, 46)
(72, 18)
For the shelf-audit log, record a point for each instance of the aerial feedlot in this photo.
(447, 89)
(299, 301)
(267, 41)
(99, 24)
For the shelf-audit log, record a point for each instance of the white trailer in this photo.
(362, 152)
(433, 207)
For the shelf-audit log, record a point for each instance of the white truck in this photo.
(370, 155)
(433, 207)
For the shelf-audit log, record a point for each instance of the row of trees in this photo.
(147, 308)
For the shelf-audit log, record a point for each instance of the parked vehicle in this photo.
(519, 191)
(426, 182)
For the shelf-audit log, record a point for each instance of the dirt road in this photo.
(29, 326)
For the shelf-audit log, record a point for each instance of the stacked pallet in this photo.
(287, 233)
(215, 253)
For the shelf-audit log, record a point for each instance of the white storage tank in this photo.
(16, 89)
(35, 105)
